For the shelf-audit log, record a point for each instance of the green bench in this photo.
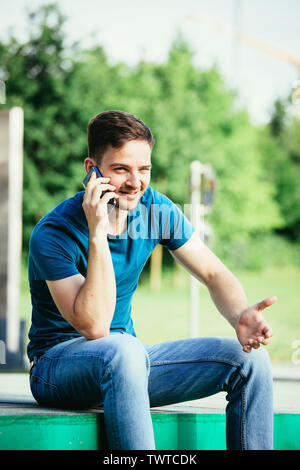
(26, 426)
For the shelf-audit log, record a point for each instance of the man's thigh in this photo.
(70, 374)
(191, 368)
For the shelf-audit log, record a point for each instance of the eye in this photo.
(120, 168)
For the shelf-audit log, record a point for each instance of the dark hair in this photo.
(115, 128)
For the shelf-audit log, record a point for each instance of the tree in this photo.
(191, 112)
(37, 74)
(280, 143)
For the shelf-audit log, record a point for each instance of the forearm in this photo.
(95, 304)
(228, 295)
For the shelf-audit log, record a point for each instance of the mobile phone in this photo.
(86, 179)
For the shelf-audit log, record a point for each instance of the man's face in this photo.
(129, 169)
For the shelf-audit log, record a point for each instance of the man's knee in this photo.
(126, 353)
(260, 361)
(256, 367)
(254, 364)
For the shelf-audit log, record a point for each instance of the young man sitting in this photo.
(84, 265)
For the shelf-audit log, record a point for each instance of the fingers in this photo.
(251, 344)
(247, 349)
(260, 306)
(108, 196)
(92, 184)
(254, 344)
(267, 332)
(263, 340)
(98, 191)
(97, 195)
(256, 332)
(256, 341)
(95, 189)
(102, 203)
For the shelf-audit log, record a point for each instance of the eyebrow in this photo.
(128, 166)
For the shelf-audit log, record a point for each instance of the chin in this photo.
(127, 205)
(124, 204)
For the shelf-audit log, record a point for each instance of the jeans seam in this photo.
(190, 361)
(243, 421)
(107, 370)
(35, 375)
(113, 421)
(227, 362)
(243, 436)
(37, 378)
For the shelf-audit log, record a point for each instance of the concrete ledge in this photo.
(30, 427)
(195, 425)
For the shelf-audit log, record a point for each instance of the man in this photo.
(84, 265)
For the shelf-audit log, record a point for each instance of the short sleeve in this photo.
(174, 227)
(52, 254)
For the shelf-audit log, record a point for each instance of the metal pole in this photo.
(15, 174)
(196, 169)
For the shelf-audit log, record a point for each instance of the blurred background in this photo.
(216, 81)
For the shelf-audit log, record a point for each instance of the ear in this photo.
(88, 163)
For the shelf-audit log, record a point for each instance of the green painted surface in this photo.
(286, 431)
(42, 432)
(189, 431)
(183, 431)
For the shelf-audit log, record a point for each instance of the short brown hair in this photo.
(115, 128)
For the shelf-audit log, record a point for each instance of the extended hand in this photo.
(252, 330)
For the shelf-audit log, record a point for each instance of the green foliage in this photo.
(191, 112)
(280, 146)
(262, 250)
(37, 76)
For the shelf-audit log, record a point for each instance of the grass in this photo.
(161, 315)
(164, 315)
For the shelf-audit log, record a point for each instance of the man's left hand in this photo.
(252, 329)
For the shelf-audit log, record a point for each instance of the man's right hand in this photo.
(95, 204)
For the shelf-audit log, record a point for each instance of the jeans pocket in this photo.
(45, 394)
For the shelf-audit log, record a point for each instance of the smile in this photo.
(129, 195)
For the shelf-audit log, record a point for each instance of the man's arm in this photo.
(226, 292)
(88, 304)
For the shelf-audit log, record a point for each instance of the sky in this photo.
(130, 30)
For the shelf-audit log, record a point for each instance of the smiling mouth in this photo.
(129, 193)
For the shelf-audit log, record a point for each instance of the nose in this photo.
(133, 181)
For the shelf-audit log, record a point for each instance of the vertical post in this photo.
(203, 184)
(4, 158)
(16, 129)
(155, 267)
(196, 172)
(11, 179)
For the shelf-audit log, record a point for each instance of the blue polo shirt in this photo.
(58, 249)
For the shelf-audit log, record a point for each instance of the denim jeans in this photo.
(128, 377)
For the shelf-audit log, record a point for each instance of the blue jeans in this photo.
(128, 377)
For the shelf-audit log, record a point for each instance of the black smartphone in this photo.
(86, 179)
